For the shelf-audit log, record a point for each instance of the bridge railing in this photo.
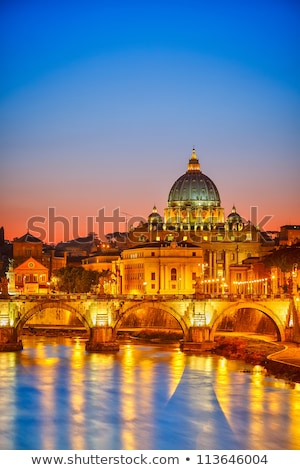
(160, 297)
(59, 296)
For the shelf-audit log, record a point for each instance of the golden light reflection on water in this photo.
(177, 366)
(77, 397)
(48, 402)
(46, 384)
(7, 400)
(128, 402)
(294, 427)
(222, 384)
(122, 396)
(266, 414)
(139, 384)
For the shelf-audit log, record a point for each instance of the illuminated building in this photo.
(32, 265)
(194, 216)
(30, 277)
(159, 268)
(194, 203)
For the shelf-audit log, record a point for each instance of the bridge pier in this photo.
(198, 340)
(9, 339)
(102, 340)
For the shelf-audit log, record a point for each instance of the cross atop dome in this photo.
(193, 164)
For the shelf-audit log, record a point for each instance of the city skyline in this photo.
(102, 102)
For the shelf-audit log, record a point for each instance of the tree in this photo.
(76, 279)
(284, 258)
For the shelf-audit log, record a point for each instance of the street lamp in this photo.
(145, 287)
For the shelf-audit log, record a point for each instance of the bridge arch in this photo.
(280, 329)
(127, 309)
(23, 319)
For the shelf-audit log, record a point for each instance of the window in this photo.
(194, 253)
(152, 276)
(152, 253)
(194, 275)
(173, 274)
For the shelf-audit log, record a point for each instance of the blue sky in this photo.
(102, 102)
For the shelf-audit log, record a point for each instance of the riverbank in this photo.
(67, 332)
(281, 360)
(251, 350)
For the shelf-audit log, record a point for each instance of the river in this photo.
(56, 396)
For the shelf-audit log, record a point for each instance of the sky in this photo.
(102, 102)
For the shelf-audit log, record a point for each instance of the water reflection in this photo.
(54, 395)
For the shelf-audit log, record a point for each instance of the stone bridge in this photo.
(102, 316)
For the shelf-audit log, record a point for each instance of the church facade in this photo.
(194, 219)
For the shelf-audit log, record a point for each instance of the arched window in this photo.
(173, 274)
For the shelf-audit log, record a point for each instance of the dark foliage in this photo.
(77, 279)
(284, 258)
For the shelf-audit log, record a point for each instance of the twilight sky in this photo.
(101, 103)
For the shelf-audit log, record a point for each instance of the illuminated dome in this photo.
(234, 217)
(194, 187)
(194, 201)
(234, 220)
(154, 217)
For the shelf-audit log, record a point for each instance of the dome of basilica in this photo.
(194, 188)
(194, 201)
(234, 217)
(234, 220)
(155, 217)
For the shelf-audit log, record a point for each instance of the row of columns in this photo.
(175, 215)
(165, 281)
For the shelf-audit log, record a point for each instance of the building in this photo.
(30, 277)
(194, 202)
(102, 260)
(28, 246)
(25, 247)
(159, 268)
(194, 215)
(192, 247)
(78, 249)
(289, 235)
